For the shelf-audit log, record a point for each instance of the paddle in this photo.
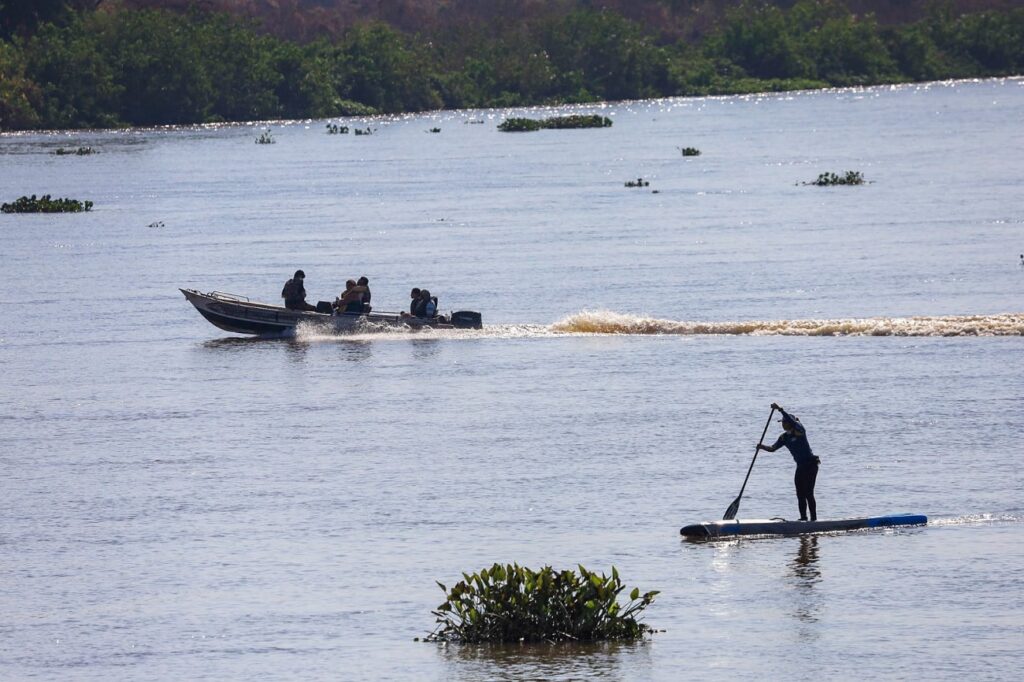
(730, 513)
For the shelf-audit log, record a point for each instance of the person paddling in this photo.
(794, 438)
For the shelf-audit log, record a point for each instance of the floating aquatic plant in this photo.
(639, 182)
(45, 204)
(831, 179)
(690, 151)
(434, 130)
(335, 129)
(81, 151)
(266, 138)
(519, 125)
(512, 603)
(366, 131)
(522, 125)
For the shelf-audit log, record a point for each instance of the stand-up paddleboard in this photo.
(733, 527)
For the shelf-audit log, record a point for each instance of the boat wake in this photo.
(310, 333)
(608, 323)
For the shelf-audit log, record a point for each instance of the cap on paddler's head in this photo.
(299, 274)
(789, 420)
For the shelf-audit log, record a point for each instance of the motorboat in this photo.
(239, 314)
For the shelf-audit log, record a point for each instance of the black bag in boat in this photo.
(467, 319)
(324, 307)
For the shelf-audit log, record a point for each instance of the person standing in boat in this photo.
(794, 438)
(294, 293)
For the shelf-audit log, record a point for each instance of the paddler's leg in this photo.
(801, 498)
(812, 477)
(805, 477)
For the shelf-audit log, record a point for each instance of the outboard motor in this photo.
(324, 307)
(467, 319)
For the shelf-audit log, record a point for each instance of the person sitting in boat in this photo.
(350, 300)
(794, 438)
(294, 293)
(365, 284)
(414, 303)
(429, 304)
(425, 306)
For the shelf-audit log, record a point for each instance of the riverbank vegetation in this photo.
(73, 65)
(512, 603)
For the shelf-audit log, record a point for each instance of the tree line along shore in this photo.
(101, 68)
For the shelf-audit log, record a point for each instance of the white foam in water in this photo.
(311, 333)
(606, 322)
(975, 519)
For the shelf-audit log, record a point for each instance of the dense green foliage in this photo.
(45, 204)
(512, 603)
(519, 125)
(525, 125)
(66, 65)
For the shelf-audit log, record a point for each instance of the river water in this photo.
(183, 503)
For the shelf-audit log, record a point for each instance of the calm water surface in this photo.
(180, 503)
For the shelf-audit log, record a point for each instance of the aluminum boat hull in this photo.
(239, 315)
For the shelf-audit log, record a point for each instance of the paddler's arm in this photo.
(773, 447)
(797, 426)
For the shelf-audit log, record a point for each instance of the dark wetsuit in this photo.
(806, 466)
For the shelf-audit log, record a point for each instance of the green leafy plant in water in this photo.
(519, 125)
(45, 204)
(512, 603)
(335, 129)
(639, 182)
(831, 179)
(81, 151)
(578, 121)
(266, 138)
(690, 151)
(522, 125)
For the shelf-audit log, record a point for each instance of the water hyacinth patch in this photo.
(525, 125)
(831, 179)
(45, 204)
(512, 603)
(81, 151)
(690, 151)
(519, 125)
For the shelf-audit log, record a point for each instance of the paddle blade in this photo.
(730, 513)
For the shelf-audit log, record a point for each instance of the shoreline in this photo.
(216, 125)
